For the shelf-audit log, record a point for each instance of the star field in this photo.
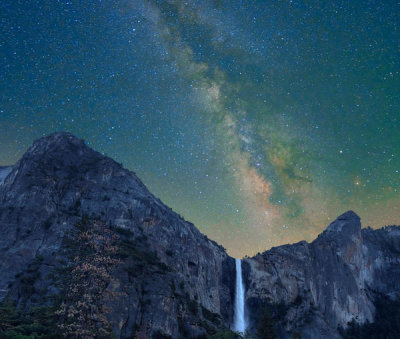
(260, 122)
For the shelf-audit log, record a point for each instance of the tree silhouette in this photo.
(265, 325)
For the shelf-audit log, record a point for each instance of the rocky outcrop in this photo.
(4, 172)
(329, 282)
(59, 180)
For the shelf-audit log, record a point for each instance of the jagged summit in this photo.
(347, 223)
(58, 137)
(59, 145)
(57, 140)
(61, 158)
(349, 215)
(60, 155)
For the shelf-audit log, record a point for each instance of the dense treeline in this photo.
(39, 322)
(385, 326)
(79, 309)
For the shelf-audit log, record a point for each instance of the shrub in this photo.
(191, 304)
(265, 324)
(39, 322)
(211, 316)
(386, 324)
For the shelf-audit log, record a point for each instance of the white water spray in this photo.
(239, 324)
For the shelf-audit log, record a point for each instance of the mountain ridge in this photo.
(166, 264)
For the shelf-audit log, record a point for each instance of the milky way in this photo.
(260, 122)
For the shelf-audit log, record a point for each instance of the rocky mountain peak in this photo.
(347, 223)
(61, 183)
(56, 141)
(60, 146)
(349, 215)
(63, 156)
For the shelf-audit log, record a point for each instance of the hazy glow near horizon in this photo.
(259, 122)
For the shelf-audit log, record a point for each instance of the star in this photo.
(232, 115)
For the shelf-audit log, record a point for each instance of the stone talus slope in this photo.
(59, 180)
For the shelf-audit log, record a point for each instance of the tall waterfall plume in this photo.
(239, 323)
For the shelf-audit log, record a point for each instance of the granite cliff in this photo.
(170, 278)
(322, 286)
(161, 276)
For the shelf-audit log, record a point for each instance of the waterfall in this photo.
(239, 324)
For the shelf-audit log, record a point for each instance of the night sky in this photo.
(259, 121)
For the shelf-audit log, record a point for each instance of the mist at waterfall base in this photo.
(239, 323)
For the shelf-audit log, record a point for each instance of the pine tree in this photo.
(265, 326)
(9, 316)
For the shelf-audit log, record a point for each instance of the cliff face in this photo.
(329, 282)
(171, 277)
(169, 280)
